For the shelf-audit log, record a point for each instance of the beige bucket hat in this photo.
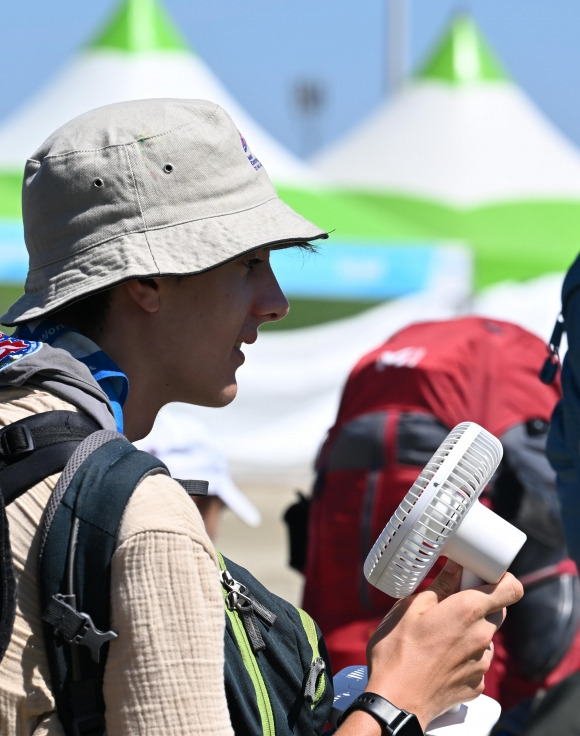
(140, 189)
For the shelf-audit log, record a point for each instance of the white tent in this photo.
(461, 132)
(139, 54)
(464, 153)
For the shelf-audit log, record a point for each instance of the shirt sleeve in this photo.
(165, 671)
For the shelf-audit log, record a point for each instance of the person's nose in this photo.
(272, 305)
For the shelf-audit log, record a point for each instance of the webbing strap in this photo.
(79, 539)
(40, 430)
(18, 478)
(7, 583)
(31, 449)
(38, 446)
(194, 487)
(80, 454)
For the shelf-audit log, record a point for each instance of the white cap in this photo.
(184, 444)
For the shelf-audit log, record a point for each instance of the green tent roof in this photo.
(463, 57)
(139, 26)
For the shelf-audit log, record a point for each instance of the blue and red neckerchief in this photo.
(106, 372)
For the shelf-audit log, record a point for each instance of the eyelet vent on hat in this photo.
(168, 168)
(98, 182)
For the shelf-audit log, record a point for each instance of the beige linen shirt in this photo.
(164, 672)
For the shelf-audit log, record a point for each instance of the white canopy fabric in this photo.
(459, 132)
(464, 146)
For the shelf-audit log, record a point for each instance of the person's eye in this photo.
(251, 263)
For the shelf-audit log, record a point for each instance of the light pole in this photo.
(309, 97)
(397, 21)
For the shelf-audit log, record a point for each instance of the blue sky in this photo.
(261, 49)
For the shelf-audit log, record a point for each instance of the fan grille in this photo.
(433, 507)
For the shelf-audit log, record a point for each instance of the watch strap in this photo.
(393, 721)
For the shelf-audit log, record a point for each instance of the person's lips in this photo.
(238, 351)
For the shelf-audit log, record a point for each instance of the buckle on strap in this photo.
(75, 626)
(15, 441)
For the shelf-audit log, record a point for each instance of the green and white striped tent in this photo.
(461, 151)
(141, 54)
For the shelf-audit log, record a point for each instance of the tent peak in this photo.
(139, 26)
(463, 56)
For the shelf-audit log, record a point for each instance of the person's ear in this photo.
(145, 293)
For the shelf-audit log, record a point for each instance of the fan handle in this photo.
(484, 544)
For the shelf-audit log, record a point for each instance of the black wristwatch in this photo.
(393, 721)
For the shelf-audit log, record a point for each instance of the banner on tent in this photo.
(339, 270)
(349, 270)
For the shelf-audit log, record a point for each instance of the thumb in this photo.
(447, 582)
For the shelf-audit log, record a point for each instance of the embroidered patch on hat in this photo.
(12, 349)
(251, 158)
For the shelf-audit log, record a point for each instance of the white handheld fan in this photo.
(440, 515)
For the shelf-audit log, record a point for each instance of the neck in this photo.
(144, 399)
(133, 337)
(138, 415)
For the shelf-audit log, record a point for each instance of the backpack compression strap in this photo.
(31, 449)
(80, 534)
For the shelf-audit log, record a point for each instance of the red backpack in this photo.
(398, 404)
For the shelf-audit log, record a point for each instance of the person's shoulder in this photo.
(17, 402)
(160, 504)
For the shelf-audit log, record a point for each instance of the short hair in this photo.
(86, 315)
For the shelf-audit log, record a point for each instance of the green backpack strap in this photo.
(79, 538)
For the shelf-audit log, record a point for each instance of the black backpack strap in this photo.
(194, 487)
(31, 449)
(37, 446)
(80, 533)
(7, 583)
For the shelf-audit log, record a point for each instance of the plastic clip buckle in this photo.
(16, 441)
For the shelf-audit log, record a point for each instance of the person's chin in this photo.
(226, 396)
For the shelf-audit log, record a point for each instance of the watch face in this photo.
(409, 727)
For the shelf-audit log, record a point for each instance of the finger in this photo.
(497, 597)
(496, 618)
(447, 581)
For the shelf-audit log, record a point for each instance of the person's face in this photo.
(208, 317)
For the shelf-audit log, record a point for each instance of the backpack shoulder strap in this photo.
(79, 538)
(31, 449)
(570, 289)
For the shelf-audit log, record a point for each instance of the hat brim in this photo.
(236, 501)
(183, 248)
